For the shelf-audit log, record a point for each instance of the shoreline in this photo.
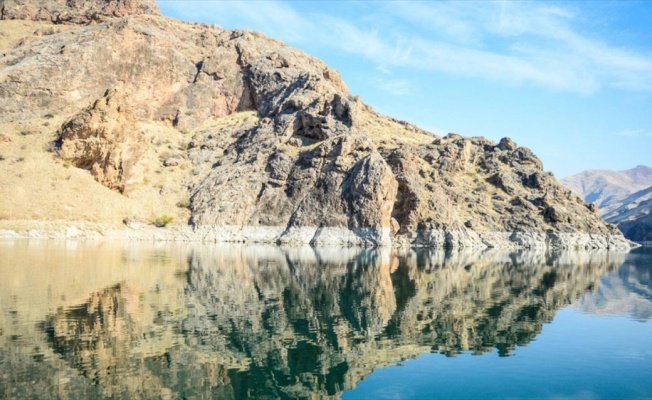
(313, 236)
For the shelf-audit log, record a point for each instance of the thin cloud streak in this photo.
(513, 43)
(396, 87)
(634, 133)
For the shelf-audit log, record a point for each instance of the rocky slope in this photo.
(624, 198)
(241, 138)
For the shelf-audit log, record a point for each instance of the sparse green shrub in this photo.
(163, 220)
(67, 164)
(48, 116)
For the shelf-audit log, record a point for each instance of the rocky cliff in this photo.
(241, 138)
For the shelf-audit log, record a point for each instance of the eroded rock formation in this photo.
(104, 139)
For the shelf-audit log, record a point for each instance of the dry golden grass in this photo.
(13, 32)
(37, 185)
(234, 120)
(390, 133)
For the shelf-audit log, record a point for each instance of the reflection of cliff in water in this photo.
(627, 291)
(273, 323)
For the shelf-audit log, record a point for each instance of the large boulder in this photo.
(104, 140)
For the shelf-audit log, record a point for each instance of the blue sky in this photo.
(571, 80)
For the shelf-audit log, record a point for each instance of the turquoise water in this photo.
(102, 320)
(578, 356)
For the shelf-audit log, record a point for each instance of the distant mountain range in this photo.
(623, 198)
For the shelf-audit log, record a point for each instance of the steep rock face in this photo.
(341, 186)
(104, 139)
(458, 189)
(74, 11)
(315, 165)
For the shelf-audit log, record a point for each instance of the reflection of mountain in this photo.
(627, 291)
(296, 323)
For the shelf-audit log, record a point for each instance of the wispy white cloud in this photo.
(511, 42)
(396, 87)
(383, 69)
(634, 133)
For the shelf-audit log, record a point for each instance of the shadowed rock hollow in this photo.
(274, 147)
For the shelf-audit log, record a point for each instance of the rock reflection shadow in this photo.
(270, 322)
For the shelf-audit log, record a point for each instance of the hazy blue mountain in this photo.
(624, 198)
(610, 190)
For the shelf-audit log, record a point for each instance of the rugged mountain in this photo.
(241, 138)
(610, 190)
(624, 198)
(630, 207)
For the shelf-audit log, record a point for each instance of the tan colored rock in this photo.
(103, 139)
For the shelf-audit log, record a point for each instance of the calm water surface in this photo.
(129, 321)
